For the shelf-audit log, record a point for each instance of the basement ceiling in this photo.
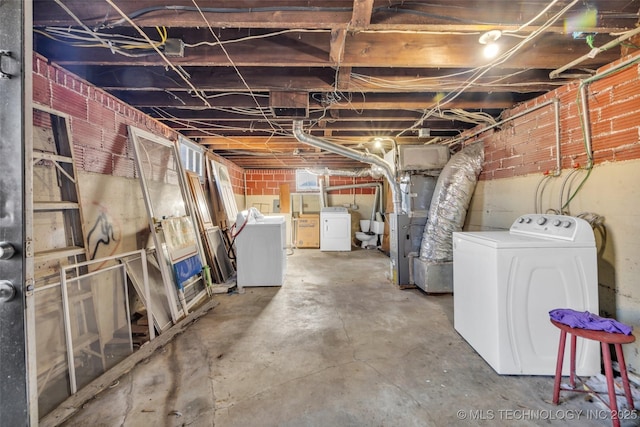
(233, 76)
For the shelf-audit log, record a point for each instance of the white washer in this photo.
(506, 282)
(261, 251)
(335, 229)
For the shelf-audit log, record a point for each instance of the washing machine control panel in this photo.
(553, 226)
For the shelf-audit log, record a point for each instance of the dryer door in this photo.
(335, 232)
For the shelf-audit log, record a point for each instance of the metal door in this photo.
(15, 128)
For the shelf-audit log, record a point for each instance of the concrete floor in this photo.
(337, 345)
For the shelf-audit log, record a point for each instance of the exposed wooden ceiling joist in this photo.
(365, 49)
(368, 66)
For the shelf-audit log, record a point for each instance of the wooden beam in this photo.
(343, 78)
(289, 104)
(375, 101)
(363, 49)
(336, 54)
(361, 17)
(224, 80)
(214, 115)
(319, 16)
(363, 125)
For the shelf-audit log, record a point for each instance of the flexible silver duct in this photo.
(450, 201)
(372, 159)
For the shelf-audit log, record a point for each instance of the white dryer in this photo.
(506, 282)
(335, 229)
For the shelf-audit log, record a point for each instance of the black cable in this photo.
(394, 9)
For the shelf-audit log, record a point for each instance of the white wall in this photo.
(612, 191)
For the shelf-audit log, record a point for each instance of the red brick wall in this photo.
(236, 175)
(527, 145)
(99, 122)
(345, 180)
(266, 182)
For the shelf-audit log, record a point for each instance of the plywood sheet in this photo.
(285, 198)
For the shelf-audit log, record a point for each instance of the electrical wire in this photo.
(169, 63)
(461, 115)
(482, 70)
(444, 82)
(254, 37)
(221, 10)
(75, 18)
(532, 20)
(115, 42)
(331, 99)
(112, 48)
(503, 58)
(271, 9)
(189, 124)
(226, 53)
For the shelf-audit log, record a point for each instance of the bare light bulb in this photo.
(489, 40)
(491, 50)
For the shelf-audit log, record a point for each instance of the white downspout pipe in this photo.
(356, 155)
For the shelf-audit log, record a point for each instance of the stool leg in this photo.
(608, 369)
(572, 373)
(556, 384)
(625, 376)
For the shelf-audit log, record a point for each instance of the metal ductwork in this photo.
(377, 198)
(356, 173)
(450, 201)
(364, 157)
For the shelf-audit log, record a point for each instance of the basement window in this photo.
(191, 155)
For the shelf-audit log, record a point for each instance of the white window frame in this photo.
(191, 156)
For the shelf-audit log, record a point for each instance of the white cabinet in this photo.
(335, 229)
